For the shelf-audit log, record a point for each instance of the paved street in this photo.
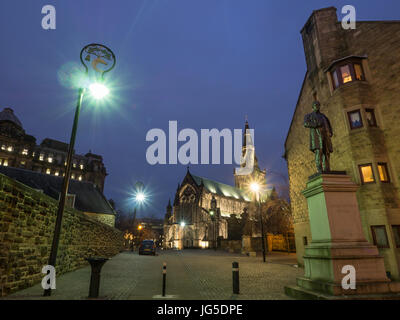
(191, 274)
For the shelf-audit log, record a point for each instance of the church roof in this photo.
(8, 115)
(221, 188)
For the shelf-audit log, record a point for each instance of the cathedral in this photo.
(198, 217)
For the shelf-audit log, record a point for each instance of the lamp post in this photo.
(255, 187)
(98, 90)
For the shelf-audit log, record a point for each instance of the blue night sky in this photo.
(205, 63)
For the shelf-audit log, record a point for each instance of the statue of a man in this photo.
(320, 137)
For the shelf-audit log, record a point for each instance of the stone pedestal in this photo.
(338, 240)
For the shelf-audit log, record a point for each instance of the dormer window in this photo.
(345, 72)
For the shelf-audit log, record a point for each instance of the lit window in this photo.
(80, 178)
(73, 176)
(346, 76)
(366, 173)
(396, 235)
(25, 152)
(81, 166)
(50, 159)
(23, 163)
(347, 73)
(379, 236)
(5, 163)
(359, 72)
(355, 119)
(383, 172)
(3, 147)
(41, 157)
(56, 173)
(370, 115)
(33, 153)
(10, 149)
(74, 164)
(48, 171)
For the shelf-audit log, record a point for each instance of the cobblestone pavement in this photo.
(191, 274)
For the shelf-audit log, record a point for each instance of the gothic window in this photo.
(24, 152)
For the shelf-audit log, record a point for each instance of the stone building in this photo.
(19, 150)
(354, 74)
(192, 222)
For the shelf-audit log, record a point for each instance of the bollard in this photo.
(96, 263)
(235, 277)
(164, 278)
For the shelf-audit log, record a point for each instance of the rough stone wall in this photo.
(27, 220)
(108, 219)
(378, 202)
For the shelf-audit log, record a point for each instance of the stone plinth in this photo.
(338, 240)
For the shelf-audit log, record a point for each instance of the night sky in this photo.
(205, 63)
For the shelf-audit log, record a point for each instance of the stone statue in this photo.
(320, 137)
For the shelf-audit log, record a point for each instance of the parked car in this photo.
(147, 247)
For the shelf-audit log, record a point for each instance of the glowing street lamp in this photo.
(104, 56)
(183, 224)
(255, 188)
(140, 197)
(98, 90)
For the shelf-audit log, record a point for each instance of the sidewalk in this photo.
(191, 274)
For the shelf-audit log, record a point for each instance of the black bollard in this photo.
(235, 277)
(164, 278)
(96, 263)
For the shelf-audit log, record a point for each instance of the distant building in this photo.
(82, 196)
(188, 223)
(355, 76)
(19, 150)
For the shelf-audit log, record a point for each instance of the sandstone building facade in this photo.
(19, 150)
(354, 74)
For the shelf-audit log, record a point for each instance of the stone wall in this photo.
(27, 220)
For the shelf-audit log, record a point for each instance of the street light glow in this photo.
(255, 187)
(140, 197)
(183, 224)
(98, 90)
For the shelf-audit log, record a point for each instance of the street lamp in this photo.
(98, 90)
(140, 197)
(255, 187)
